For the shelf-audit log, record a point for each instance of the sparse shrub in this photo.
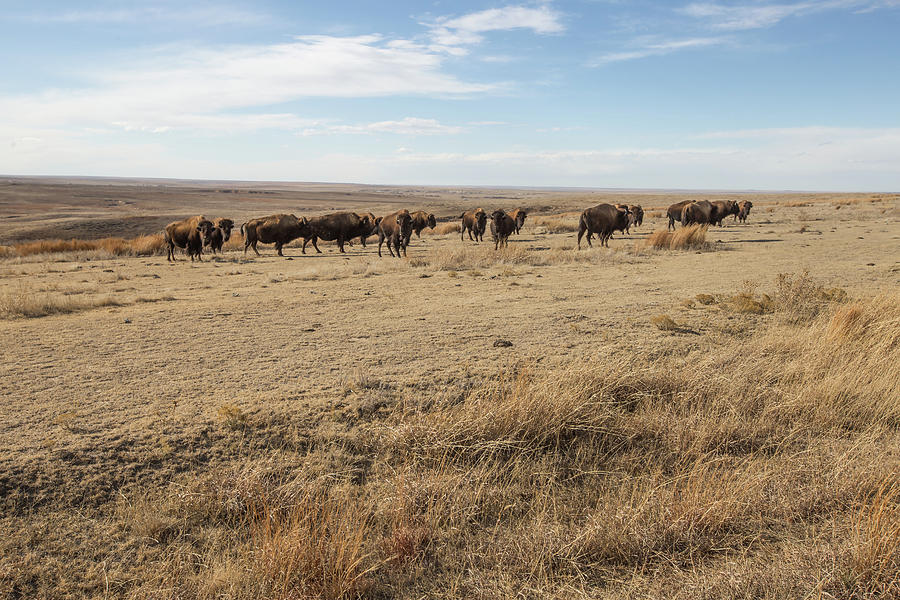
(232, 416)
(706, 299)
(444, 228)
(664, 323)
(800, 298)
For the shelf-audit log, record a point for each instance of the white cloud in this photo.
(202, 89)
(407, 126)
(452, 35)
(760, 15)
(657, 49)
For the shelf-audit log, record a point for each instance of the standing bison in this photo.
(602, 219)
(190, 234)
(518, 216)
(473, 221)
(698, 213)
(340, 227)
(674, 213)
(723, 208)
(396, 228)
(421, 220)
(502, 225)
(743, 210)
(274, 229)
(637, 215)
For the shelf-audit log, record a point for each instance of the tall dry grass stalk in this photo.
(28, 303)
(692, 237)
(143, 245)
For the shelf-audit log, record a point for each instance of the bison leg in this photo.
(278, 246)
(362, 240)
(340, 242)
(380, 241)
(470, 235)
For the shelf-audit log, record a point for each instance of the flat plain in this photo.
(541, 421)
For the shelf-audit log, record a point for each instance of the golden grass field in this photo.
(719, 420)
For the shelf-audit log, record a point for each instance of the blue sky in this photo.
(588, 93)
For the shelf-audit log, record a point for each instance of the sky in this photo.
(745, 94)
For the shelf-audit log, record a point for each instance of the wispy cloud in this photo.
(731, 17)
(200, 15)
(657, 49)
(453, 34)
(407, 126)
(205, 88)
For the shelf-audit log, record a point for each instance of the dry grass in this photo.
(664, 323)
(558, 223)
(443, 229)
(692, 237)
(144, 245)
(29, 303)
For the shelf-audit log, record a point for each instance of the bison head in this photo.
(480, 218)
(226, 225)
(431, 221)
(520, 217)
(404, 222)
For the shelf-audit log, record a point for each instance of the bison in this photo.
(699, 213)
(473, 221)
(215, 240)
(421, 220)
(502, 225)
(637, 215)
(341, 226)
(190, 234)
(278, 229)
(743, 210)
(674, 213)
(396, 228)
(518, 215)
(602, 219)
(723, 208)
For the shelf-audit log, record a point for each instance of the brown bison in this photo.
(518, 215)
(190, 234)
(226, 225)
(215, 240)
(502, 225)
(674, 213)
(743, 210)
(698, 213)
(602, 219)
(421, 220)
(396, 228)
(637, 215)
(340, 227)
(723, 208)
(473, 221)
(275, 229)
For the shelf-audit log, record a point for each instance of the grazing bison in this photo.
(699, 213)
(421, 220)
(723, 208)
(518, 215)
(473, 221)
(743, 210)
(190, 234)
(340, 227)
(396, 228)
(674, 213)
(502, 225)
(278, 229)
(602, 219)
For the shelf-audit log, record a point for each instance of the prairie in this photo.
(713, 418)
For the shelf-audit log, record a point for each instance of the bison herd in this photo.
(195, 233)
